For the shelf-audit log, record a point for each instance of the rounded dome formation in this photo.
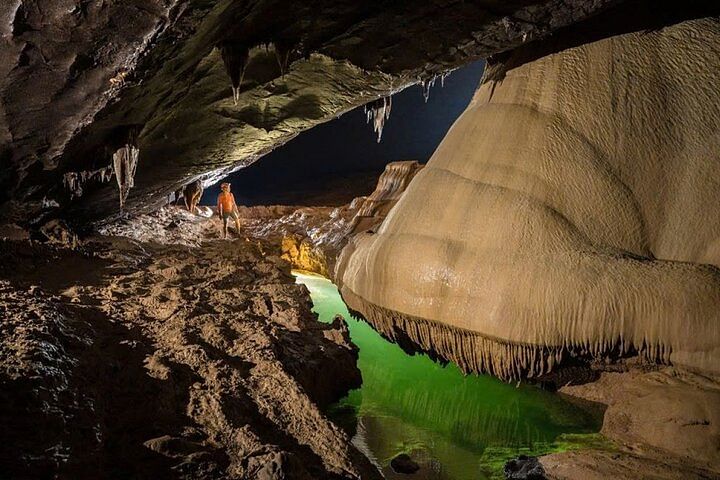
(573, 209)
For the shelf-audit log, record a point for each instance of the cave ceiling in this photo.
(205, 87)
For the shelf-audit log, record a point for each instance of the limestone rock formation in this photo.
(669, 415)
(566, 215)
(311, 238)
(207, 87)
(390, 187)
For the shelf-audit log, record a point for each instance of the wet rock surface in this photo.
(125, 359)
(666, 424)
(524, 468)
(404, 464)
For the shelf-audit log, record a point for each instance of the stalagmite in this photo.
(379, 112)
(568, 214)
(235, 58)
(125, 162)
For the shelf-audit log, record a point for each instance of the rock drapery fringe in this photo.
(476, 353)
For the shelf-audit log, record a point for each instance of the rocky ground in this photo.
(309, 238)
(665, 422)
(130, 359)
(160, 350)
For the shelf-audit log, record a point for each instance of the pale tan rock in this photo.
(572, 209)
(665, 423)
(390, 187)
(311, 238)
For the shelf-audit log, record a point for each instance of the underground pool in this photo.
(454, 426)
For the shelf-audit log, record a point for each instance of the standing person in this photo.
(193, 194)
(227, 208)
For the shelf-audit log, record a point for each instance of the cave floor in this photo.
(144, 356)
(129, 359)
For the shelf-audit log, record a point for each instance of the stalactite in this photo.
(283, 50)
(379, 112)
(235, 57)
(427, 84)
(304, 47)
(125, 162)
(72, 184)
(75, 182)
(443, 76)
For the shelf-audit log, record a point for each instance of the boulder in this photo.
(402, 463)
(524, 468)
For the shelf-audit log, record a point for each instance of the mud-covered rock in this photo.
(138, 360)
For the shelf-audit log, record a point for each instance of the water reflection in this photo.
(455, 426)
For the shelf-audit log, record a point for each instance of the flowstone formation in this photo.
(565, 217)
(391, 186)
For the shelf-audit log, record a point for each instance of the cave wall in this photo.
(569, 212)
(82, 79)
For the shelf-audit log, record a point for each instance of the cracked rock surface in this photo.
(154, 361)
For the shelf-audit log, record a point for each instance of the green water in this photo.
(457, 427)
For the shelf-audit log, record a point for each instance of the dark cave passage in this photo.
(339, 160)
